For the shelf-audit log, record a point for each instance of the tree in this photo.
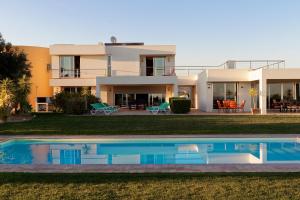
(15, 66)
(13, 62)
(7, 98)
(21, 94)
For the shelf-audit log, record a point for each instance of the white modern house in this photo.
(122, 73)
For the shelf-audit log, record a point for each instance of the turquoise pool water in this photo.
(151, 151)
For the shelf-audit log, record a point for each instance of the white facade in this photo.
(122, 72)
(262, 79)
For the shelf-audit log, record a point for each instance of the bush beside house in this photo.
(180, 105)
(73, 103)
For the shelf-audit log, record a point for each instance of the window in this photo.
(155, 66)
(69, 157)
(281, 91)
(288, 93)
(66, 66)
(159, 66)
(230, 91)
(156, 99)
(74, 89)
(224, 91)
(298, 92)
(69, 66)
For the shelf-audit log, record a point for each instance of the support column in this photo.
(175, 90)
(262, 94)
(98, 91)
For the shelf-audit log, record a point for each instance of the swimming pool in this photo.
(159, 151)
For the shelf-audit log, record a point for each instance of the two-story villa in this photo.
(127, 74)
(119, 73)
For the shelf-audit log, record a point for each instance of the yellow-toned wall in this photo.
(39, 57)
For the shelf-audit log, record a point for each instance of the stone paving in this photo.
(151, 168)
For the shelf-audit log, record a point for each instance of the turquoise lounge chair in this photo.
(103, 108)
(163, 107)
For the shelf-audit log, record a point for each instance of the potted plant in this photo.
(253, 94)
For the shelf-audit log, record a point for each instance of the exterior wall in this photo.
(204, 91)
(126, 59)
(243, 94)
(71, 49)
(228, 75)
(208, 77)
(90, 67)
(39, 58)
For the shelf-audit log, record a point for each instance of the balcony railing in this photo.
(232, 64)
(80, 73)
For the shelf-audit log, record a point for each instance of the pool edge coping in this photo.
(96, 168)
(9, 137)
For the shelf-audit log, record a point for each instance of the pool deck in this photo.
(180, 168)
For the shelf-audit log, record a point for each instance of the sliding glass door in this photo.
(224, 91)
(159, 66)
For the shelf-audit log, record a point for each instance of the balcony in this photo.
(78, 73)
(150, 71)
(232, 64)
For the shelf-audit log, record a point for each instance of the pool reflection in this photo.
(150, 153)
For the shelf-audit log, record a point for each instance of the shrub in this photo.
(73, 103)
(180, 105)
(7, 98)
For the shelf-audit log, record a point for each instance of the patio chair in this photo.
(220, 107)
(103, 108)
(163, 107)
(233, 105)
(242, 106)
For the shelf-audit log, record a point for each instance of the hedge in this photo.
(180, 105)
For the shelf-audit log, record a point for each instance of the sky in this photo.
(206, 32)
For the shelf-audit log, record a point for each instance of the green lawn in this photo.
(149, 186)
(158, 124)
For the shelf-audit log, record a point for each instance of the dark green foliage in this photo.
(73, 103)
(180, 105)
(13, 62)
(15, 66)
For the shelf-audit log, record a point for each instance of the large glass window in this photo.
(230, 91)
(288, 91)
(67, 66)
(156, 99)
(218, 93)
(159, 66)
(298, 91)
(127, 100)
(274, 94)
(223, 91)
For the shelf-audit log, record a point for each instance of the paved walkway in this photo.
(151, 168)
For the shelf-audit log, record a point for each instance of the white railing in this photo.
(232, 64)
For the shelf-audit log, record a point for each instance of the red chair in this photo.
(220, 107)
(242, 106)
(233, 105)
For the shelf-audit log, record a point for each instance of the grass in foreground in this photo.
(150, 186)
(180, 124)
